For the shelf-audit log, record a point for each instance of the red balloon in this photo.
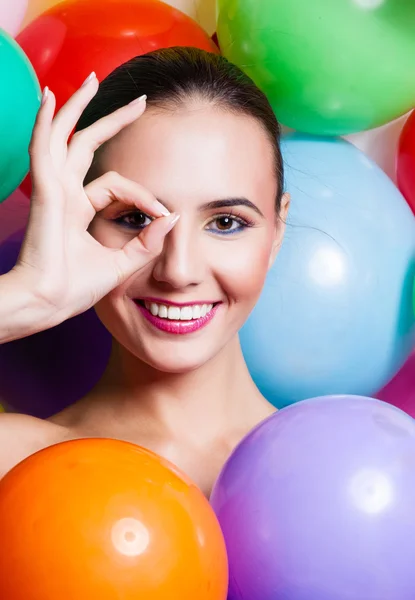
(405, 164)
(26, 186)
(73, 38)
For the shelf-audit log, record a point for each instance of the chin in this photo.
(174, 366)
(172, 362)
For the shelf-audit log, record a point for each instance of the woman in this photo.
(105, 231)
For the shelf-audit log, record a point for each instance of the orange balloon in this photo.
(107, 520)
(76, 37)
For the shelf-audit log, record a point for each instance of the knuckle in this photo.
(112, 176)
(77, 136)
(32, 147)
(84, 139)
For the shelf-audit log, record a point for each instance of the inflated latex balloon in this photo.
(202, 11)
(381, 144)
(74, 38)
(325, 66)
(19, 103)
(36, 7)
(11, 15)
(106, 520)
(317, 504)
(400, 391)
(43, 373)
(405, 164)
(336, 313)
(14, 213)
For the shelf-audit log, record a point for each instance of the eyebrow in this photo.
(229, 203)
(226, 203)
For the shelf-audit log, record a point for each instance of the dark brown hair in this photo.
(171, 76)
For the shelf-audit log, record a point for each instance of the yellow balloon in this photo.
(202, 11)
(2, 409)
(37, 7)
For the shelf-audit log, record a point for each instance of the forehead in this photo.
(198, 152)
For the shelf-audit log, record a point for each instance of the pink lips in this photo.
(177, 327)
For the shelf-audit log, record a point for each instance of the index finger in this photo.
(85, 142)
(113, 187)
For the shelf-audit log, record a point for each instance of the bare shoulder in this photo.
(21, 436)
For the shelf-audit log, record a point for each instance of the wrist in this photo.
(22, 311)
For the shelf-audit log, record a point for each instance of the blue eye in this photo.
(134, 220)
(227, 224)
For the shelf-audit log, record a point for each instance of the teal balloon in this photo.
(19, 103)
(328, 67)
(336, 313)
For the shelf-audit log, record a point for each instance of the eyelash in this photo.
(244, 222)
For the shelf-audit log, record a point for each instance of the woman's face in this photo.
(215, 169)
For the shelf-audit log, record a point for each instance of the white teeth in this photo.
(196, 311)
(177, 313)
(173, 313)
(186, 313)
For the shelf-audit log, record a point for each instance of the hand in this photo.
(67, 269)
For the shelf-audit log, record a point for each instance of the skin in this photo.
(190, 397)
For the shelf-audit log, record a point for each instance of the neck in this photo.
(211, 399)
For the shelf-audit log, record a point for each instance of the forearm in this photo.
(21, 312)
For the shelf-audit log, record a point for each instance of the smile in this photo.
(177, 319)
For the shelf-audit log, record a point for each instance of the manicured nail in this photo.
(161, 208)
(138, 100)
(90, 77)
(173, 222)
(45, 95)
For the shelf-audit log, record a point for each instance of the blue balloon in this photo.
(335, 315)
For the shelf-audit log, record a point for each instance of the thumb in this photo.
(138, 252)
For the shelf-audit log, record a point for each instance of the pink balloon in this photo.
(14, 213)
(401, 390)
(12, 13)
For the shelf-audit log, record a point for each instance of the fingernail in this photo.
(90, 77)
(138, 100)
(45, 95)
(173, 222)
(161, 208)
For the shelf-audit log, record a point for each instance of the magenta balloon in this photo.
(14, 213)
(317, 503)
(44, 373)
(401, 390)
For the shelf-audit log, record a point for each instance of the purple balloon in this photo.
(44, 373)
(318, 503)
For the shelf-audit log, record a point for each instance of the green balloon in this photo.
(328, 67)
(19, 103)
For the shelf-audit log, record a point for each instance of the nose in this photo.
(180, 263)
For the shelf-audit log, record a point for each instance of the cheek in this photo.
(108, 311)
(242, 266)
